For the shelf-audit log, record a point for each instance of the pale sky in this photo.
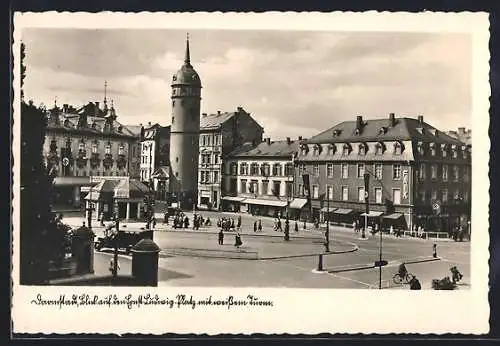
(293, 83)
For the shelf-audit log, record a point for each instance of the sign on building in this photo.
(405, 184)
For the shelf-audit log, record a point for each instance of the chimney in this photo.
(359, 122)
(300, 138)
(392, 119)
(203, 115)
(288, 141)
(65, 108)
(421, 119)
(218, 112)
(149, 123)
(239, 109)
(268, 141)
(461, 130)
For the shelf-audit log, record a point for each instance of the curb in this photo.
(391, 263)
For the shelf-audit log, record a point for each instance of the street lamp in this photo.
(90, 208)
(115, 250)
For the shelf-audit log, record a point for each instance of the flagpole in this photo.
(327, 221)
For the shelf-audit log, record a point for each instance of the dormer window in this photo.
(336, 132)
(454, 151)
(120, 129)
(379, 148)
(316, 149)
(465, 151)
(433, 132)
(346, 149)
(362, 149)
(67, 123)
(383, 130)
(357, 132)
(94, 147)
(331, 149)
(398, 148)
(420, 130)
(304, 149)
(432, 147)
(94, 126)
(107, 149)
(420, 148)
(444, 150)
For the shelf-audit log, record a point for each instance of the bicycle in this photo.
(397, 279)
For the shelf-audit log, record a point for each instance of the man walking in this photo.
(221, 237)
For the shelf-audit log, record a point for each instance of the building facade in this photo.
(258, 179)
(221, 133)
(184, 134)
(135, 148)
(85, 142)
(155, 153)
(418, 174)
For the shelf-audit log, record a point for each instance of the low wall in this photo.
(92, 280)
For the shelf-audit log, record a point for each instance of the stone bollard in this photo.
(145, 262)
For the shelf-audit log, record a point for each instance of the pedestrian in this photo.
(287, 230)
(415, 284)
(255, 226)
(154, 222)
(354, 226)
(102, 218)
(460, 233)
(296, 226)
(239, 221)
(165, 218)
(186, 222)
(278, 226)
(391, 230)
(221, 237)
(237, 240)
(259, 226)
(232, 223)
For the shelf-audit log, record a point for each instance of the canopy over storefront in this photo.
(373, 214)
(104, 190)
(298, 203)
(328, 210)
(269, 202)
(117, 189)
(393, 216)
(341, 211)
(233, 198)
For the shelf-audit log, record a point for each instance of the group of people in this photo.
(237, 238)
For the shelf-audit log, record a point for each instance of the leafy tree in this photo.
(39, 233)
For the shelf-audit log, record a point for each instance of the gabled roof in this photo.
(215, 120)
(380, 130)
(281, 149)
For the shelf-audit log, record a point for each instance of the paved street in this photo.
(193, 258)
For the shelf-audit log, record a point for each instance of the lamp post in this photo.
(115, 251)
(327, 233)
(90, 208)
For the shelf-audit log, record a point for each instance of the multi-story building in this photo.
(418, 174)
(220, 133)
(85, 142)
(259, 178)
(135, 158)
(155, 155)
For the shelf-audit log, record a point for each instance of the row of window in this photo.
(398, 148)
(208, 177)
(443, 195)
(207, 158)
(436, 171)
(83, 173)
(264, 169)
(252, 186)
(210, 139)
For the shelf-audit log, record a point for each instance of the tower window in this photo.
(177, 174)
(173, 118)
(176, 159)
(173, 103)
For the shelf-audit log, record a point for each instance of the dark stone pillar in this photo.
(145, 262)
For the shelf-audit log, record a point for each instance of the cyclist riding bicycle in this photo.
(402, 271)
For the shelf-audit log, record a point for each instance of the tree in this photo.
(38, 233)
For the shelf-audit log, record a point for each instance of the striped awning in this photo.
(393, 216)
(298, 203)
(270, 202)
(373, 214)
(233, 198)
(343, 211)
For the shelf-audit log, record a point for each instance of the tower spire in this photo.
(187, 58)
(105, 91)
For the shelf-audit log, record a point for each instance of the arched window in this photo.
(432, 147)
(444, 150)
(346, 149)
(304, 149)
(331, 149)
(421, 148)
(398, 148)
(362, 149)
(107, 149)
(379, 148)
